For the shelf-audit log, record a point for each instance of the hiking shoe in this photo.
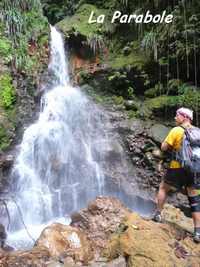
(196, 237)
(157, 217)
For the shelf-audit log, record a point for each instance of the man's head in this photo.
(183, 115)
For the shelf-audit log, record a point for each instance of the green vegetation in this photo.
(23, 53)
(56, 10)
(119, 60)
(162, 102)
(24, 23)
(78, 23)
(7, 110)
(7, 91)
(5, 49)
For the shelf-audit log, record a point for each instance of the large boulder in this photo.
(101, 218)
(146, 243)
(158, 132)
(64, 241)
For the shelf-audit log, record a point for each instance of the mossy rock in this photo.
(78, 23)
(5, 138)
(134, 59)
(117, 59)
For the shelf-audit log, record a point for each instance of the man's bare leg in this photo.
(195, 210)
(162, 195)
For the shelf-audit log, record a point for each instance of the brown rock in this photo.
(64, 241)
(146, 243)
(100, 220)
(37, 257)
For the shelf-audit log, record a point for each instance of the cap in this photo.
(186, 112)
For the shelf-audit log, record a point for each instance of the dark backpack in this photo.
(189, 154)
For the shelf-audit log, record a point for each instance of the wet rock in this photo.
(6, 161)
(62, 241)
(100, 220)
(137, 126)
(149, 159)
(3, 235)
(131, 104)
(111, 152)
(158, 132)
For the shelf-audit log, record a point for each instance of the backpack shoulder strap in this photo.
(182, 127)
(185, 132)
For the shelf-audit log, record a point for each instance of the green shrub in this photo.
(5, 49)
(118, 100)
(173, 87)
(191, 99)
(162, 105)
(157, 90)
(7, 91)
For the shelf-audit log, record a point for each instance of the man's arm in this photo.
(165, 146)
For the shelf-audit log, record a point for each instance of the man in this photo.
(176, 177)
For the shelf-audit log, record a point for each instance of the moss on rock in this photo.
(78, 23)
(134, 59)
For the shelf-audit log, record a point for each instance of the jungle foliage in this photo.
(159, 59)
(22, 24)
(23, 37)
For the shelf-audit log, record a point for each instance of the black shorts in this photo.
(179, 177)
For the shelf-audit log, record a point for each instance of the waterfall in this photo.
(56, 170)
(70, 155)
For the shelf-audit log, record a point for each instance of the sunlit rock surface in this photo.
(146, 243)
(64, 241)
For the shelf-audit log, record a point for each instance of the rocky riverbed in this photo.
(107, 234)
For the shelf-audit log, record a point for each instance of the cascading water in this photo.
(55, 171)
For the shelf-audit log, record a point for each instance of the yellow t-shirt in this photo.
(174, 139)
